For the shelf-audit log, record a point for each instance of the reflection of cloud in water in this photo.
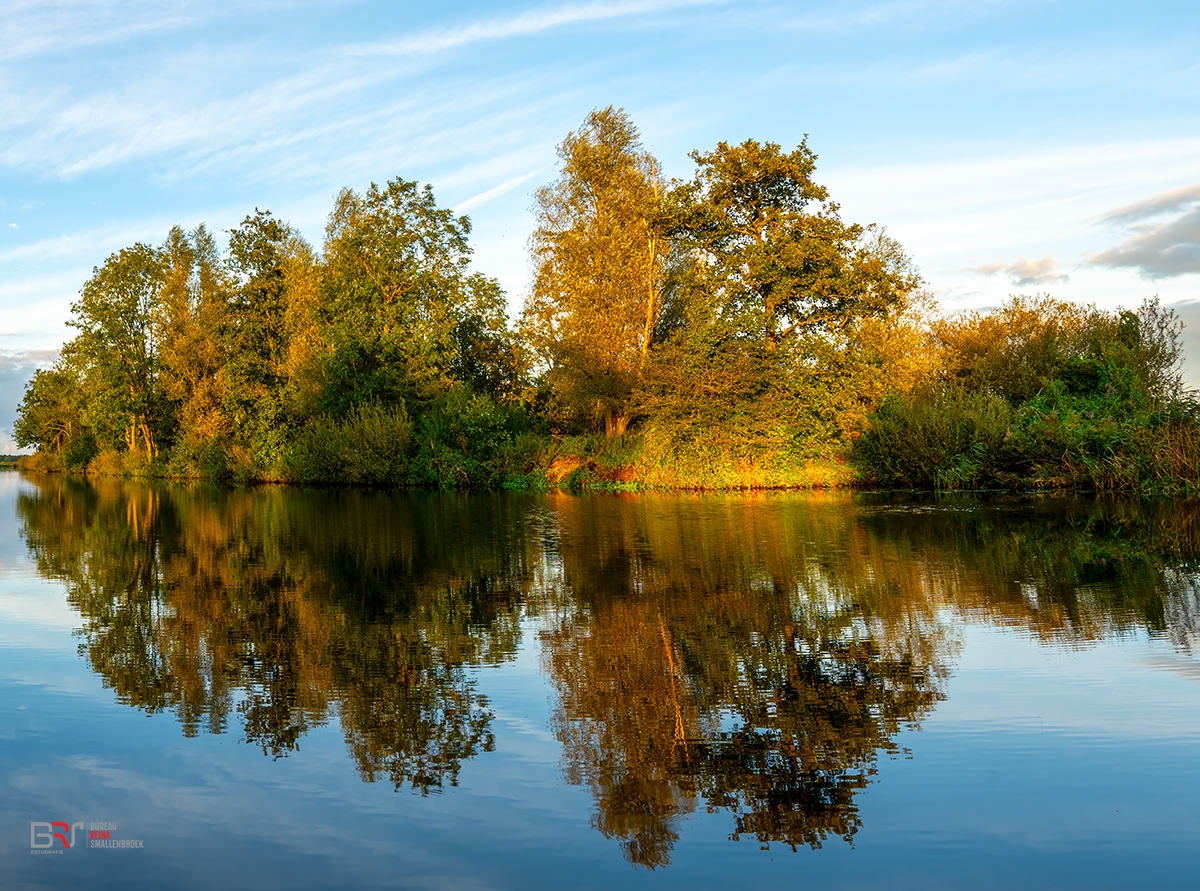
(1182, 609)
(41, 603)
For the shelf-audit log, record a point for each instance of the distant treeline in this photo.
(726, 331)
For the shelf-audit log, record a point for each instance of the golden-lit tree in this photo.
(597, 293)
(190, 314)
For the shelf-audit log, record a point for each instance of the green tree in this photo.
(401, 312)
(49, 418)
(597, 293)
(255, 337)
(770, 247)
(115, 353)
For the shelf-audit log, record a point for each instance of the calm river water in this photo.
(274, 688)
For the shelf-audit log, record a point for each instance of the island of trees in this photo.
(728, 331)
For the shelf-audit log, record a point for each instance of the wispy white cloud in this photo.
(289, 127)
(1166, 68)
(94, 243)
(532, 22)
(35, 27)
(102, 130)
(842, 17)
(496, 191)
(1171, 200)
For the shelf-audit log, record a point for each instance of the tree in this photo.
(190, 315)
(255, 336)
(48, 418)
(115, 353)
(770, 296)
(400, 307)
(770, 250)
(598, 259)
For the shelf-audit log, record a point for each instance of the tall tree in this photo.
(191, 312)
(773, 287)
(115, 354)
(271, 266)
(773, 251)
(597, 291)
(254, 335)
(400, 304)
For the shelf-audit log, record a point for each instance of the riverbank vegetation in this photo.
(728, 331)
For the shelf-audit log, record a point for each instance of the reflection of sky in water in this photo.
(1047, 765)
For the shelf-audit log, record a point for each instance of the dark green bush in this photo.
(207, 459)
(464, 440)
(368, 446)
(948, 438)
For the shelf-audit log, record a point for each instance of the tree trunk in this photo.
(615, 423)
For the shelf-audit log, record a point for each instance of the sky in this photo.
(1012, 147)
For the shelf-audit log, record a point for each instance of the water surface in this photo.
(285, 688)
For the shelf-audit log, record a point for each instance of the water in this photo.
(274, 688)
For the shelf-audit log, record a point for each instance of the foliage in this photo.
(114, 358)
(599, 260)
(949, 437)
(49, 417)
(465, 440)
(400, 310)
(765, 358)
(368, 446)
(729, 331)
(769, 250)
(1047, 394)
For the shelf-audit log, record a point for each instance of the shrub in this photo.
(465, 440)
(368, 446)
(41, 461)
(947, 437)
(108, 462)
(204, 458)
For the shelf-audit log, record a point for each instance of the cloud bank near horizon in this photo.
(1164, 235)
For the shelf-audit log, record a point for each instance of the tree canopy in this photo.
(599, 260)
(727, 329)
(770, 250)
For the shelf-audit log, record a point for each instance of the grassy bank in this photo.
(574, 463)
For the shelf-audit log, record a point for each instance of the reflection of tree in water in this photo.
(280, 605)
(756, 654)
(701, 659)
(1065, 570)
(745, 654)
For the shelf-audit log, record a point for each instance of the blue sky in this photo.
(1012, 147)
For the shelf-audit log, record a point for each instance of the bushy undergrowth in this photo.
(461, 442)
(200, 458)
(368, 446)
(944, 438)
(1054, 399)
